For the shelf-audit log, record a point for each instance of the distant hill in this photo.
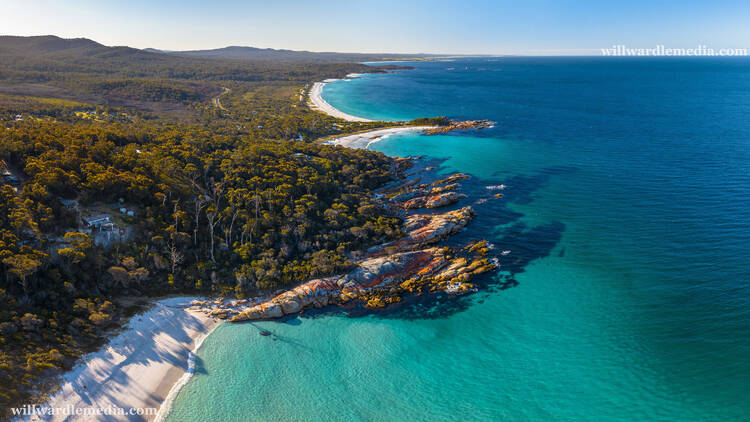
(270, 54)
(83, 70)
(51, 46)
(46, 43)
(45, 58)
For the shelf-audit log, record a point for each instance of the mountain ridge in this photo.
(52, 45)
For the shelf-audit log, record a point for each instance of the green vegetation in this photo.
(199, 200)
(170, 86)
(431, 121)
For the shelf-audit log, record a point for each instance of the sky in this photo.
(531, 27)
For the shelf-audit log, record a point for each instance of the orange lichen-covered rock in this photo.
(316, 293)
(433, 201)
(434, 265)
(440, 189)
(414, 203)
(425, 229)
(377, 271)
(440, 226)
(443, 199)
(371, 273)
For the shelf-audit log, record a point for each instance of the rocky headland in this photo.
(459, 125)
(384, 274)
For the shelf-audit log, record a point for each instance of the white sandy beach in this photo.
(318, 103)
(138, 368)
(365, 139)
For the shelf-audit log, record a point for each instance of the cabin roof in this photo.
(96, 219)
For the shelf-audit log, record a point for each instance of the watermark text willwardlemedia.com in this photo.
(660, 50)
(71, 410)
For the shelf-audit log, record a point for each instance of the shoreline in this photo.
(143, 366)
(166, 405)
(363, 140)
(316, 101)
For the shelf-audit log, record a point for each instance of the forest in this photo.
(121, 179)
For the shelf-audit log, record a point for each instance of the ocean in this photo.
(626, 294)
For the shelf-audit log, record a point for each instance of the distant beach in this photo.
(358, 140)
(138, 368)
(318, 103)
(365, 139)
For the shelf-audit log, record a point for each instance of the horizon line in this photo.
(573, 52)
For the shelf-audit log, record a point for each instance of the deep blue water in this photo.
(627, 292)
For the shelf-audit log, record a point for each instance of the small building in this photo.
(69, 203)
(101, 222)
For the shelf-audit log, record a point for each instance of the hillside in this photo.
(155, 82)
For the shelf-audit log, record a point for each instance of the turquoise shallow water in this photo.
(625, 296)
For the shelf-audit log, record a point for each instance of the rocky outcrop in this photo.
(410, 265)
(373, 276)
(379, 271)
(410, 191)
(449, 271)
(315, 293)
(440, 189)
(443, 199)
(418, 202)
(376, 282)
(369, 274)
(467, 124)
(434, 201)
(455, 177)
(425, 230)
(401, 164)
(406, 195)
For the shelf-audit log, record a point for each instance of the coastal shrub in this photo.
(431, 121)
(31, 322)
(100, 318)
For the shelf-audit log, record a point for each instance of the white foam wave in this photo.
(166, 406)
